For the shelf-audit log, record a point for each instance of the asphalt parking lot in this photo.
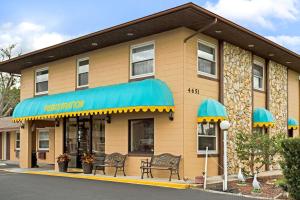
(14, 186)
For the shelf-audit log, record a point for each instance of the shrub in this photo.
(291, 165)
(257, 150)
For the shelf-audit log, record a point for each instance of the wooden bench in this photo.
(114, 160)
(164, 161)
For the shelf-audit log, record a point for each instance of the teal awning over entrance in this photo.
(292, 123)
(263, 118)
(147, 95)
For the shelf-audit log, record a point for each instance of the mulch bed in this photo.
(268, 187)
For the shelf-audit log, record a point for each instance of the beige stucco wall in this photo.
(50, 153)
(293, 97)
(194, 163)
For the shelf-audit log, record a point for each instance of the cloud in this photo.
(291, 42)
(28, 36)
(261, 12)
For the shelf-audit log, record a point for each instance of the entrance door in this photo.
(7, 146)
(84, 135)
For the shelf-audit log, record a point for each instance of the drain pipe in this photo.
(184, 47)
(201, 30)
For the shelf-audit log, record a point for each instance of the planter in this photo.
(87, 168)
(63, 166)
(199, 180)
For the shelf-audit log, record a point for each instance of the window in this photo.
(17, 141)
(207, 59)
(258, 76)
(142, 60)
(43, 139)
(207, 137)
(141, 136)
(260, 130)
(41, 81)
(82, 72)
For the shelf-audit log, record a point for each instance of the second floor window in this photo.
(207, 59)
(41, 81)
(258, 77)
(82, 72)
(142, 60)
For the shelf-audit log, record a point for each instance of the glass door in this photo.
(84, 135)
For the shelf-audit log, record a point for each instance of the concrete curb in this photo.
(114, 179)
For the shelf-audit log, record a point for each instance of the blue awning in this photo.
(263, 118)
(211, 110)
(147, 95)
(292, 123)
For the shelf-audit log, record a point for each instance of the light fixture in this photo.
(218, 31)
(288, 62)
(22, 125)
(94, 44)
(108, 119)
(171, 115)
(28, 62)
(250, 45)
(57, 123)
(224, 125)
(51, 56)
(271, 54)
(130, 34)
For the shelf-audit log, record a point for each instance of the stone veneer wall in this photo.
(237, 96)
(278, 96)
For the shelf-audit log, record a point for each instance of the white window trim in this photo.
(216, 58)
(203, 152)
(16, 141)
(141, 45)
(38, 70)
(43, 129)
(77, 72)
(262, 65)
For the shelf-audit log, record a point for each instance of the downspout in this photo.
(183, 69)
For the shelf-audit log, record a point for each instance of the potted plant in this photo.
(87, 163)
(62, 161)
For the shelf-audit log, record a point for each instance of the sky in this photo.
(35, 24)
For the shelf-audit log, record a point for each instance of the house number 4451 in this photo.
(193, 91)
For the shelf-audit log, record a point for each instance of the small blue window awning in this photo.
(293, 124)
(263, 118)
(211, 110)
(147, 95)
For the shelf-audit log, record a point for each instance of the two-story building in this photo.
(158, 84)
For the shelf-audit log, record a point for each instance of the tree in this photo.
(9, 85)
(257, 150)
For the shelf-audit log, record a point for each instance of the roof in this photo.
(188, 15)
(6, 124)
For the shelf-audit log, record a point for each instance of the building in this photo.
(9, 139)
(141, 88)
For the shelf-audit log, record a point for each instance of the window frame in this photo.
(130, 137)
(77, 72)
(215, 47)
(18, 148)
(131, 59)
(202, 152)
(43, 130)
(35, 80)
(262, 65)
